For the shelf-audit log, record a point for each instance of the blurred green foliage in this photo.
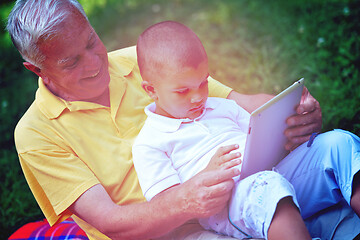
(253, 46)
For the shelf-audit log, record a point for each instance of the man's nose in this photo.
(92, 61)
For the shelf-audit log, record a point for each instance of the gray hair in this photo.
(33, 20)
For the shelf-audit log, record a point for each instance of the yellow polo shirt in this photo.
(67, 147)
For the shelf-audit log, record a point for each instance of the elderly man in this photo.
(74, 142)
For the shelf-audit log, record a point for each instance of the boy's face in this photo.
(181, 93)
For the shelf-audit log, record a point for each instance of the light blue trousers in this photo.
(322, 176)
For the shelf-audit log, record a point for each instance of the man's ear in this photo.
(149, 89)
(32, 68)
(36, 70)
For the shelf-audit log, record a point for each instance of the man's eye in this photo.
(72, 64)
(91, 45)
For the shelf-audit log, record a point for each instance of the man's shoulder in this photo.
(122, 61)
(32, 114)
(27, 128)
(128, 53)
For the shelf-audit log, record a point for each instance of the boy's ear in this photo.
(36, 70)
(149, 89)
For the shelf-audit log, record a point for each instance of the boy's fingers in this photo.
(220, 176)
(229, 157)
(232, 163)
(226, 149)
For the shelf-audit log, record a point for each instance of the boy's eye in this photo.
(204, 83)
(182, 91)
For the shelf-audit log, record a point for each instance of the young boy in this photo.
(186, 132)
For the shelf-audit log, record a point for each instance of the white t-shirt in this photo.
(170, 151)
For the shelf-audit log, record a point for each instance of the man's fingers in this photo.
(218, 190)
(211, 190)
(307, 121)
(295, 142)
(213, 204)
(204, 198)
(306, 99)
(311, 118)
(302, 130)
(308, 105)
(300, 134)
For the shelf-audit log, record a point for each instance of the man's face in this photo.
(182, 94)
(76, 64)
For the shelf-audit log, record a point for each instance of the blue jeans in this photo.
(322, 176)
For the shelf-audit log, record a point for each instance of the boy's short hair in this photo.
(168, 43)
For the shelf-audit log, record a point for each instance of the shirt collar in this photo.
(49, 104)
(166, 124)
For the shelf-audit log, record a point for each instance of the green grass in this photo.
(253, 46)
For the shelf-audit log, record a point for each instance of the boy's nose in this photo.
(196, 98)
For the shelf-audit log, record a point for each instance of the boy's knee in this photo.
(271, 177)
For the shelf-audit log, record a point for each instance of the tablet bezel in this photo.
(265, 143)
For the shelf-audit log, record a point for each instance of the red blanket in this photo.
(41, 230)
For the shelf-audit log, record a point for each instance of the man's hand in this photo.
(307, 121)
(224, 158)
(207, 193)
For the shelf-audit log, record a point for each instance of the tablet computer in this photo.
(265, 142)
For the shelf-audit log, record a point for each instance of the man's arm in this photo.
(300, 126)
(249, 102)
(202, 196)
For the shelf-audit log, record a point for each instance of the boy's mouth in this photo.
(200, 107)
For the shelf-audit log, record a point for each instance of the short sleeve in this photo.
(217, 89)
(56, 178)
(241, 116)
(154, 170)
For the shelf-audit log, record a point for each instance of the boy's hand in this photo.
(224, 158)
